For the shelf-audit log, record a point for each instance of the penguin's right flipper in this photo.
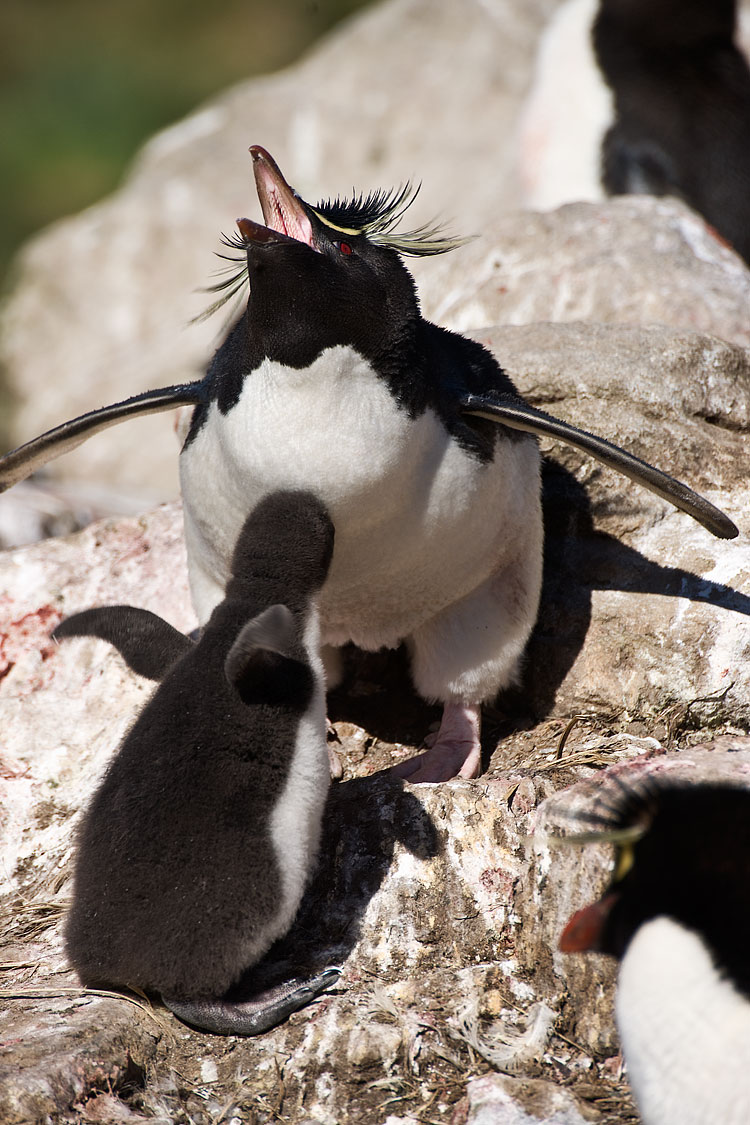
(26, 459)
(252, 1017)
(147, 643)
(509, 410)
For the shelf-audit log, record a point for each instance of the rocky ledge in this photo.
(443, 903)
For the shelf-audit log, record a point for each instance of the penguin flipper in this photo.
(26, 459)
(148, 644)
(513, 412)
(252, 1017)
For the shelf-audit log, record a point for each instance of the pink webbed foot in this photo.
(455, 750)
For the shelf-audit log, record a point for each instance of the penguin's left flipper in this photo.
(517, 414)
(252, 1017)
(26, 459)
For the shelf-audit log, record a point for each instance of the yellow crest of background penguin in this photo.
(413, 437)
(197, 846)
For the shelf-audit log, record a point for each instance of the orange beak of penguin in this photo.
(584, 930)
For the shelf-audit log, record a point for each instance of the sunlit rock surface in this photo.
(443, 904)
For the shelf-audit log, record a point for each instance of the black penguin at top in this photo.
(682, 107)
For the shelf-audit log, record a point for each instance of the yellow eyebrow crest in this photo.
(335, 226)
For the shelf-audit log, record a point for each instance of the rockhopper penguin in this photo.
(644, 97)
(195, 849)
(412, 436)
(681, 91)
(677, 917)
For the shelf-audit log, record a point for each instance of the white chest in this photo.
(685, 1031)
(418, 521)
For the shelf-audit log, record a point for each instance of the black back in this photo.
(176, 868)
(682, 102)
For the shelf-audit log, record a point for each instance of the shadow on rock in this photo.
(377, 695)
(364, 820)
(578, 559)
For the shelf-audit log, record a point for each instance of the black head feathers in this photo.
(373, 217)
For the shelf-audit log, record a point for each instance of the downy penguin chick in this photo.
(677, 917)
(414, 438)
(196, 848)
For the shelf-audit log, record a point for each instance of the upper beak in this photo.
(283, 211)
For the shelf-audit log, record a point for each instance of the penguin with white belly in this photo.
(196, 848)
(677, 917)
(413, 437)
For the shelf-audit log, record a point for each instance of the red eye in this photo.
(344, 247)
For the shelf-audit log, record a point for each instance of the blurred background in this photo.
(83, 83)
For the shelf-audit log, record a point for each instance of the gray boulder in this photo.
(631, 260)
(662, 605)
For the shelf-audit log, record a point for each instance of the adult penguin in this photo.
(677, 918)
(642, 97)
(413, 437)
